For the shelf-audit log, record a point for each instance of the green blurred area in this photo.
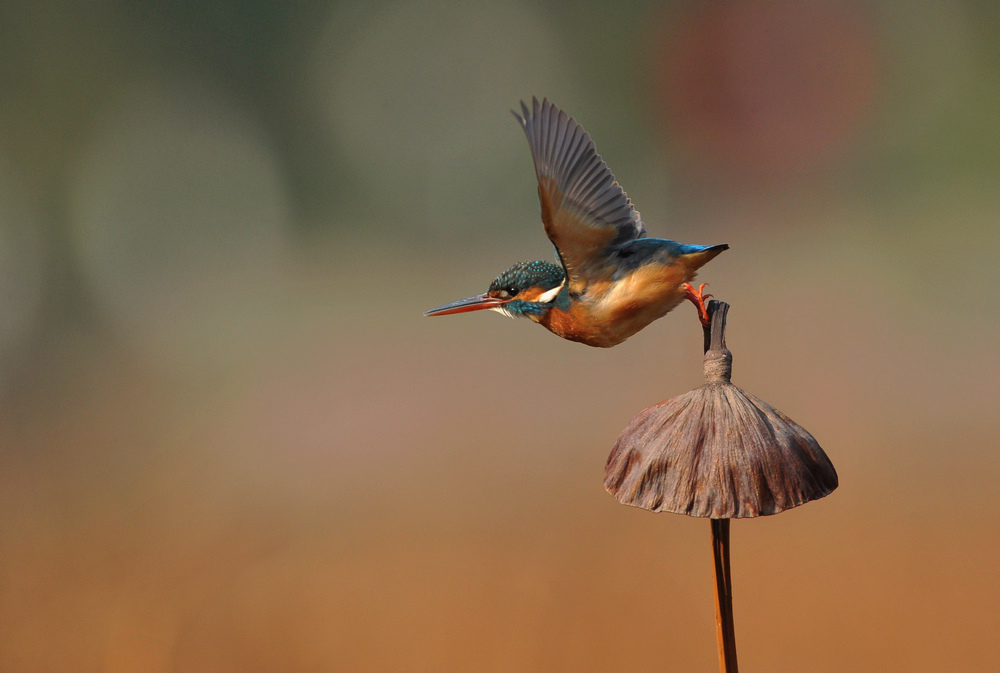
(229, 441)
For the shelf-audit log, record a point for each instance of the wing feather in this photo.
(586, 213)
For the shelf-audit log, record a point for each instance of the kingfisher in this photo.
(611, 281)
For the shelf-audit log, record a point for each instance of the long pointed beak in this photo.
(477, 303)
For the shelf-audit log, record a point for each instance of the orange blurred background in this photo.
(229, 441)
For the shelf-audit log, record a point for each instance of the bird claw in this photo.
(698, 298)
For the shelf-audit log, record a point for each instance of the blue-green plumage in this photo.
(523, 275)
(515, 281)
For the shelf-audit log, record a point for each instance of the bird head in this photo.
(525, 290)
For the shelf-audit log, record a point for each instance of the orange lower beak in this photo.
(477, 303)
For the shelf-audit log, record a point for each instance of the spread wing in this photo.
(586, 213)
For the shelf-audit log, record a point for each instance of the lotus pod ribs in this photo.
(717, 451)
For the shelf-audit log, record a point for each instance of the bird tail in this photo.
(705, 254)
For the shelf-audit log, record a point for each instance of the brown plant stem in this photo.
(725, 629)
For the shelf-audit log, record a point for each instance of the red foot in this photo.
(698, 298)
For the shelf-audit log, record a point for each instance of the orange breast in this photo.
(577, 324)
(608, 314)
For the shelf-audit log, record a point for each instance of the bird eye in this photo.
(512, 291)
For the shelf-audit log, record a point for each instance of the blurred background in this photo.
(229, 441)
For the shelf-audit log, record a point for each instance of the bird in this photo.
(610, 280)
